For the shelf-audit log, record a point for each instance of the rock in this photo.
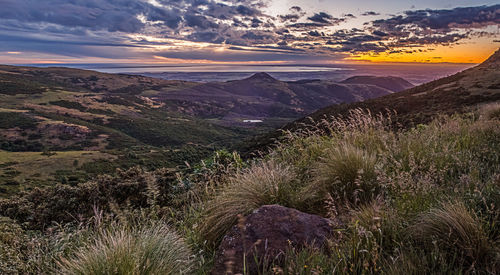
(265, 235)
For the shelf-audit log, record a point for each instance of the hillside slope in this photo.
(62, 124)
(395, 84)
(261, 96)
(453, 94)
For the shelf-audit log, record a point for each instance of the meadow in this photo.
(419, 200)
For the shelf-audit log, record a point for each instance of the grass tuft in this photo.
(453, 229)
(153, 249)
(345, 172)
(261, 184)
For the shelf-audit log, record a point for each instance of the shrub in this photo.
(261, 184)
(453, 229)
(345, 172)
(153, 249)
(132, 188)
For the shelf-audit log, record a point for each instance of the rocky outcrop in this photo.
(263, 236)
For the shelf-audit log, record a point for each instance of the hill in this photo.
(89, 123)
(262, 97)
(395, 84)
(364, 198)
(68, 125)
(417, 105)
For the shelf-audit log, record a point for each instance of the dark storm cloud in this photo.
(289, 17)
(247, 11)
(418, 28)
(427, 40)
(122, 15)
(379, 33)
(199, 21)
(295, 14)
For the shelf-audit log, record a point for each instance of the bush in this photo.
(13, 119)
(262, 184)
(132, 188)
(454, 230)
(150, 249)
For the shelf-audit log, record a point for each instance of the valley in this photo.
(107, 121)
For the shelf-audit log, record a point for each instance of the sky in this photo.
(263, 32)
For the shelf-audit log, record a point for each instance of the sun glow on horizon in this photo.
(475, 51)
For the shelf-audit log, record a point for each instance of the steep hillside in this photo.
(456, 93)
(453, 94)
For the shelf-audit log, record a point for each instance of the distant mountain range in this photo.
(263, 97)
(454, 94)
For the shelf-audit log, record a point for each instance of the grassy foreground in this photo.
(424, 200)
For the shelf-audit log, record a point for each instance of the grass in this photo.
(39, 167)
(345, 172)
(146, 249)
(262, 184)
(453, 229)
(422, 200)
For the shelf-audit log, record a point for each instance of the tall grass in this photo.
(391, 184)
(345, 172)
(262, 184)
(148, 249)
(453, 229)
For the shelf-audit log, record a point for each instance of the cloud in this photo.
(80, 27)
(325, 19)
(370, 13)
(469, 17)
(92, 14)
(199, 21)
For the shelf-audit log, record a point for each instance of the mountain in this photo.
(263, 97)
(454, 94)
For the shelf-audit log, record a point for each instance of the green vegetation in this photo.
(261, 184)
(422, 200)
(16, 119)
(10, 85)
(38, 169)
(69, 105)
(145, 249)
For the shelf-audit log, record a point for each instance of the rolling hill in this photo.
(454, 94)
(74, 124)
(263, 97)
